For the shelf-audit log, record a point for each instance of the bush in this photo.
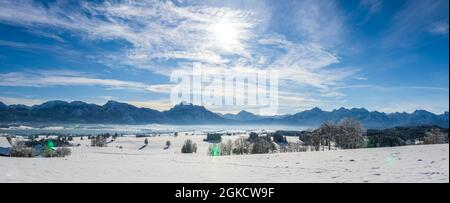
(60, 152)
(167, 145)
(262, 146)
(48, 153)
(63, 152)
(213, 137)
(241, 146)
(99, 141)
(19, 149)
(226, 148)
(253, 136)
(189, 147)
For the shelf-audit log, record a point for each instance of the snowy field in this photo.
(422, 163)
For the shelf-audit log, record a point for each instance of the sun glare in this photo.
(225, 35)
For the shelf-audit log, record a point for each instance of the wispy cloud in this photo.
(163, 36)
(439, 28)
(33, 47)
(66, 78)
(320, 22)
(416, 19)
(373, 6)
(393, 88)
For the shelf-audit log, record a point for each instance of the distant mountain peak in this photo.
(119, 106)
(19, 106)
(2, 105)
(50, 104)
(78, 103)
(244, 112)
(316, 109)
(192, 114)
(186, 106)
(422, 112)
(184, 103)
(112, 102)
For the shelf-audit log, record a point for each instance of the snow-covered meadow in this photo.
(122, 161)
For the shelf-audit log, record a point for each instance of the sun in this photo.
(225, 35)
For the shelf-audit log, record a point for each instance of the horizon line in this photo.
(184, 103)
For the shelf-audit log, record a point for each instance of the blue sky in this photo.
(383, 55)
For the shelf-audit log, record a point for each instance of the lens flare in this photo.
(50, 144)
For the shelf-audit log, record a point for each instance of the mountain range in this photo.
(183, 114)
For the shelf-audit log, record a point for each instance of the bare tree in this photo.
(316, 139)
(226, 148)
(241, 146)
(350, 134)
(328, 132)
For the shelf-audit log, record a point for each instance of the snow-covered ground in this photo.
(422, 163)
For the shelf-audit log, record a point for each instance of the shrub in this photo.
(213, 137)
(19, 149)
(63, 152)
(167, 145)
(253, 136)
(189, 147)
(262, 146)
(241, 146)
(99, 141)
(48, 153)
(226, 148)
(60, 152)
(59, 142)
